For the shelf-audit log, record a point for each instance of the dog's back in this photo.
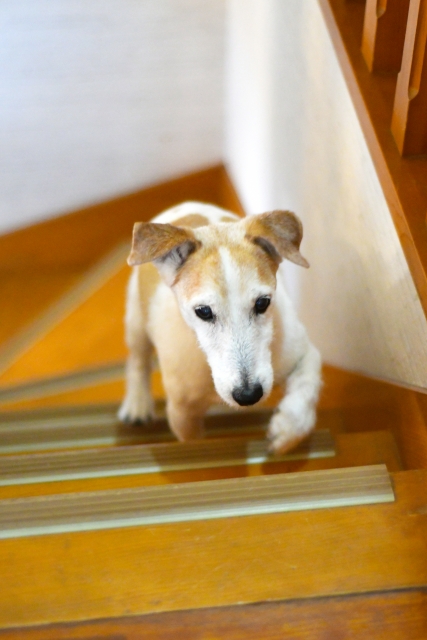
(194, 215)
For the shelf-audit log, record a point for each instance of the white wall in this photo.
(294, 141)
(102, 97)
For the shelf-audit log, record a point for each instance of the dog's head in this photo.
(224, 279)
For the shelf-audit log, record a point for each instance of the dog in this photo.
(207, 294)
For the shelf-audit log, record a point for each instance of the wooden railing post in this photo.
(409, 122)
(384, 34)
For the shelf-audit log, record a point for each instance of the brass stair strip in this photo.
(98, 426)
(196, 501)
(45, 387)
(137, 459)
(103, 270)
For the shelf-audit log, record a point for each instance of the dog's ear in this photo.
(165, 245)
(279, 234)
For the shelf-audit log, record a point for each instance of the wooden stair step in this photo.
(27, 354)
(27, 294)
(78, 386)
(91, 316)
(209, 563)
(196, 501)
(321, 451)
(55, 428)
(44, 387)
(157, 458)
(99, 426)
(388, 616)
(102, 393)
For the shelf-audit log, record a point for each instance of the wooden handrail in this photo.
(403, 180)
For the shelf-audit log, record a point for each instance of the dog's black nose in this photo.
(248, 395)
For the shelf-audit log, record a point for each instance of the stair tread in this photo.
(100, 427)
(27, 294)
(323, 451)
(196, 501)
(166, 567)
(388, 616)
(173, 456)
(87, 313)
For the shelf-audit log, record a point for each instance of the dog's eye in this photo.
(262, 304)
(204, 313)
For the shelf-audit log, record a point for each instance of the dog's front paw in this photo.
(284, 432)
(136, 408)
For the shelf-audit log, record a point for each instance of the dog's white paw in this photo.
(136, 407)
(284, 432)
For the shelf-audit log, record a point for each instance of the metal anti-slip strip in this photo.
(44, 387)
(143, 459)
(195, 501)
(99, 426)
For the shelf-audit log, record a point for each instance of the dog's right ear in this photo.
(165, 245)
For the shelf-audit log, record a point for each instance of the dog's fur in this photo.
(197, 256)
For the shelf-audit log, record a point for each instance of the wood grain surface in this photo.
(409, 122)
(398, 615)
(384, 31)
(95, 574)
(377, 447)
(80, 315)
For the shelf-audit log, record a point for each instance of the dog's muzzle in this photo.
(248, 394)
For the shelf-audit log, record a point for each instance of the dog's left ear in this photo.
(279, 234)
(168, 247)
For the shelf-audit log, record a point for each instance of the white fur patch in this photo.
(237, 342)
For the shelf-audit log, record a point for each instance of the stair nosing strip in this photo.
(44, 387)
(276, 494)
(141, 459)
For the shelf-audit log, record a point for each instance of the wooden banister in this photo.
(403, 180)
(409, 122)
(384, 34)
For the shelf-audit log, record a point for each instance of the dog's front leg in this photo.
(185, 423)
(137, 405)
(296, 414)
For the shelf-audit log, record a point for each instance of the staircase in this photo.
(116, 531)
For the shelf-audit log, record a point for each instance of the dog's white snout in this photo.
(247, 394)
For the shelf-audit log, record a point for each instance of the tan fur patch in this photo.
(250, 258)
(227, 219)
(205, 265)
(193, 220)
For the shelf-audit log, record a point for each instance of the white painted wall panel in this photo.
(294, 141)
(102, 97)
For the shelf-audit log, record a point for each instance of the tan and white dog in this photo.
(207, 294)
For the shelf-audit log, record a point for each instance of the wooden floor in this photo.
(349, 570)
